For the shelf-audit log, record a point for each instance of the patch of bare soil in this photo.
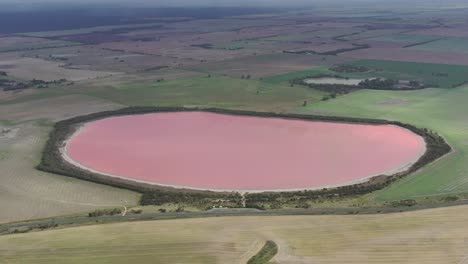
(8, 132)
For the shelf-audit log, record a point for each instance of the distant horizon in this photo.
(227, 3)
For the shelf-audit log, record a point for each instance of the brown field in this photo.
(174, 49)
(28, 193)
(408, 55)
(384, 44)
(459, 30)
(70, 105)
(268, 65)
(208, 25)
(27, 43)
(32, 68)
(306, 36)
(93, 38)
(319, 46)
(429, 236)
(96, 59)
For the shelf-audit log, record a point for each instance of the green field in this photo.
(443, 110)
(285, 78)
(428, 236)
(442, 75)
(220, 91)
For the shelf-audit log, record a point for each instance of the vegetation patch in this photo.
(114, 211)
(268, 251)
(331, 53)
(10, 84)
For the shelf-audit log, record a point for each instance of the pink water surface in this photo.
(225, 152)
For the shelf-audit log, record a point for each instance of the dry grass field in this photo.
(93, 58)
(32, 68)
(53, 108)
(17, 43)
(267, 65)
(398, 54)
(428, 236)
(457, 30)
(174, 49)
(26, 193)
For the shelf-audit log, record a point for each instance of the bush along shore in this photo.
(53, 162)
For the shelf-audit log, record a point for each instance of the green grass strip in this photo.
(265, 254)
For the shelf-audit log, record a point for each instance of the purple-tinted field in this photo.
(224, 152)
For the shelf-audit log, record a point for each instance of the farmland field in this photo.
(428, 236)
(409, 55)
(28, 193)
(265, 66)
(9, 44)
(441, 75)
(426, 108)
(221, 91)
(32, 68)
(459, 45)
(406, 38)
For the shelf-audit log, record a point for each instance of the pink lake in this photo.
(203, 150)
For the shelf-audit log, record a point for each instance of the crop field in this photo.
(428, 236)
(173, 49)
(284, 78)
(85, 30)
(91, 58)
(459, 45)
(28, 193)
(459, 30)
(370, 34)
(409, 55)
(216, 90)
(30, 108)
(442, 75)
(9, 44)
(268, 66)
(405, 38)
(442, 110)
(32, 68)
